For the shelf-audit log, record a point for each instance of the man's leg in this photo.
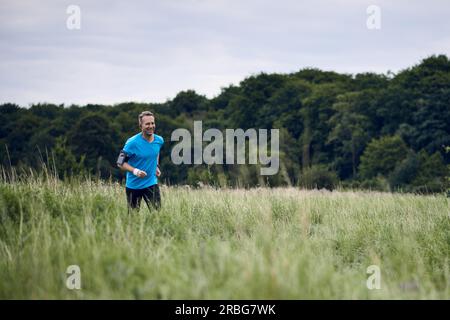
(133, 199)
(152, 197)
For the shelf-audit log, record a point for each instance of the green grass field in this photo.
(221, 244)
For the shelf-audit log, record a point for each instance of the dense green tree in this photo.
(420, 173)
(317, 76)
(46, 111)
(349, 132)
(188, 102)
(382, 155)
(245, 109)
(94, 138)
(326, 121)
(314, 115)
(417, 100)
(64, 161)
(431, 173)
(405, 172)
(370, 81)
(19, 136)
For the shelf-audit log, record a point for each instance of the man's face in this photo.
(148, 125)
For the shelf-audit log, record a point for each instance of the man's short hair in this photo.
(143, 114)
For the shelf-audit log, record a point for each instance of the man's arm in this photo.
(138, 173)
(158, 171)
(124, 165)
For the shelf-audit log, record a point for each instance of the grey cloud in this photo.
(150, 50)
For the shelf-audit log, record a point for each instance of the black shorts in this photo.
(150, 194)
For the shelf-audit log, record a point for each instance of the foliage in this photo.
(318, 177)
(374, 130)
(381, 156)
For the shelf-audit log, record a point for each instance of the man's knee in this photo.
(133, 200)
(153, 198)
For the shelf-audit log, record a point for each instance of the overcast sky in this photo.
(148, 51)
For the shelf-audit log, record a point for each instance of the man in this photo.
(140, 158)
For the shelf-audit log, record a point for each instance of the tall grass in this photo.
(220, 244)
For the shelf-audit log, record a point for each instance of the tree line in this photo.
(378, 131)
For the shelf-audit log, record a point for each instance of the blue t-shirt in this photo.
(144, 156)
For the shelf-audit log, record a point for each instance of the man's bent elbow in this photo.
(122, 159)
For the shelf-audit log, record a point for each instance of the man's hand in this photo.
(158, 172)
(139, 173)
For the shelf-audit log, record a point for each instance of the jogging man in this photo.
(140, 158)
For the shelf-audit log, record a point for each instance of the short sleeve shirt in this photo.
(144, 156)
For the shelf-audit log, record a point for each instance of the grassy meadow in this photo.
(207, 243)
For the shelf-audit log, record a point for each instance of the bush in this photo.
(381, 156)
(420, 173)
(318, 177)
(431, 186)
(404, 173)
(379, 183)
